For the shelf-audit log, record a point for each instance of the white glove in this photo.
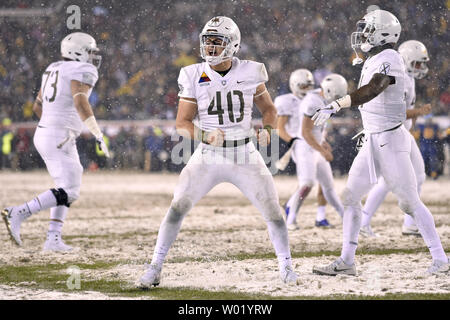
(102, 145)
(323, 114)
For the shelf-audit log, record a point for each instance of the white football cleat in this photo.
(55, 243)
(335, 268)
(439, 267)
(288, 275)
(13, 219)
(151, 277)
(366, 232)
(292, 226)
(410, 231)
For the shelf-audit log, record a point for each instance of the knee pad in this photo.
(179, 208)
(62, 199)
(349, 199)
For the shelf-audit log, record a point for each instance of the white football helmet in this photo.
(79, 46)
(334, 86)
(415, 54)
(301, 81)
(226, 30)
(376, 28)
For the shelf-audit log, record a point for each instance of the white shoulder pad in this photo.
(83, 72)
(285, 104)
(311, 103)
(185, 83)
(389, 62)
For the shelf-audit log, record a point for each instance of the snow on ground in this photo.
(117, 217)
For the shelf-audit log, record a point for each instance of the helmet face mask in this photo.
(300, 82)
(415, 55)
(219, 40)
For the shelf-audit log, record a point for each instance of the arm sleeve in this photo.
(85, 73)
(187, 89)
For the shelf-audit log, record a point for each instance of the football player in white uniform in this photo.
(312, 153)
(62, 106)
(415, 55)
(387, 144)
(220, 92)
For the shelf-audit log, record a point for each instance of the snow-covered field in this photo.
(223, 244)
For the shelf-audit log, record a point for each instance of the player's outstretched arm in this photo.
(376, 85)
(37, 105)
(80, 94)
(268, 111)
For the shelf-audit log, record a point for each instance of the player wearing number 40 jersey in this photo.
(62, 106)
(220, 94)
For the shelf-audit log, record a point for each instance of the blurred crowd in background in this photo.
(144, 45)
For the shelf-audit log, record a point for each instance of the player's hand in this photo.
(327, 155)
(323, 114)
(263, 137)
(215, 138)
(326, 146)
(425, 109)
(102, 145)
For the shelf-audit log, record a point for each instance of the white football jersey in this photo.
(58, 109)
(223, 102)
(309, 105)
(386, 110)
(289, 105)
(410, 97)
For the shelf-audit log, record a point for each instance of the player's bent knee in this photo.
(307, 184)
(409, 206)
(62, 198)
(349, 199)
(179, 208)
(273, 211)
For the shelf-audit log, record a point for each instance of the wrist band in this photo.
(344, 102)
(92, 125)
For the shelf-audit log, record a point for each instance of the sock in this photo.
(332, 198)
(409, 221)
(43, 201)
(374, 200)
(351, 226)
(167, 234)
(292, 198)
(57, 213)
(279, 237)
(297, 203)
(425, 222)
(321, 214)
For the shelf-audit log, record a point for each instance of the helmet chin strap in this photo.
(357, 60)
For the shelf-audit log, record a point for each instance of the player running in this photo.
(62, 106)
(312, 153)
(415, 55)
(221, 93)
(386, 150)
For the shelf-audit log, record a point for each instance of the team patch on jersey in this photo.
(385, 68)
(204, 78)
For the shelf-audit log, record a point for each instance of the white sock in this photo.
(167, 234)
(321, 214)
(425, 222)
(43, 201)
(330, 195)
(297, 202)
(374, 200)
(351, 226)
(409, 221)
(291, 199)
(59, 214)
(278, 235)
